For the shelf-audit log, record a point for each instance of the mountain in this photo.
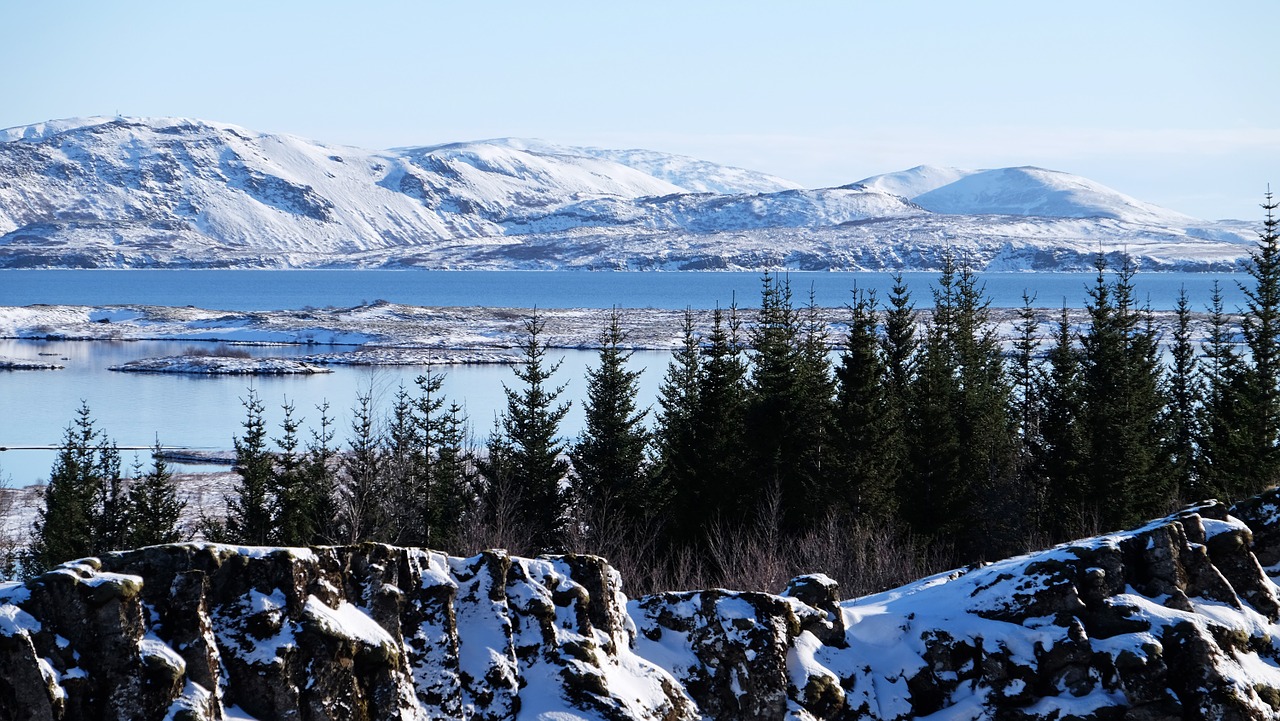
(173, 192)
(915, 181)
(1173, 620)
(1045, 193)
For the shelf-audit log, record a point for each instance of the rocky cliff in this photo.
(1177, 619)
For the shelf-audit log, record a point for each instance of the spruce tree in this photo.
(676, 486)
(251, 512)
(65, 529)
(111, 509)
(1061, 451)
(452, 480)
(364, 497)
(1028, 380)
(1185, 395)
(868, 427)
(1226, 449)
(1260, 327)
(1127, 466)
(720, 425)
(788, 418)
(154, 508)
(531, 425)
(291, 522)
(609, 458)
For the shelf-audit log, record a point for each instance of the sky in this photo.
(1172, 102)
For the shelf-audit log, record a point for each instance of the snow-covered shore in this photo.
(220, 365)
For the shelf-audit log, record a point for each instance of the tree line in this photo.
(928, 439)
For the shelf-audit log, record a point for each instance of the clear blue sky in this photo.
(1173, 102)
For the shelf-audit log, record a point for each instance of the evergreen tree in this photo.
(609, 458)
(1185, 394)
(531, 424)
(65, 529)
(406, 471)
(676, 485)
(318, 483)
(788, 418)
(1226, 449)
(1260, 374)
(1127, 468)
(1061, 450)
(364, 513)
(965, 454)
(868, 428)
(1028, 380)
(292, 523)
(251, 512)
(154, 508)
(111, 509)
(719, 426)
(451, 481)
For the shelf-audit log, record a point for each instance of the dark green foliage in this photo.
(154, 508)
(962, 435)
(67, 526)
(870, 440)
(789, 415)
(1185, 394)
(1127, 469)
(609, 470)
(1260, 373)
(452, 480)
(1227, 451)
(531, 426)
(1059, 452)
(363, 511)
(675, 470)
(1028, 379)
(251, 512)
(720, 424)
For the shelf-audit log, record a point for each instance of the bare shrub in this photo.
(222, 350)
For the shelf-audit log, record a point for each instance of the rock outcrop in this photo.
(1178, 619)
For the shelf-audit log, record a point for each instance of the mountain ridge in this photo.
(180, 192)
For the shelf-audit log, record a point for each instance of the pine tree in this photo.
(1185, 394)
(531, 425)
(1260, 327)
(1028, 380)
(251, 512)
(111, 509)
(154, 508)
(676, 486)
(609, 458)
(291, 522)
(788, 418)
(1226, 449)
(452, 480)
(1061, 451)
(65, 529)
(964, 438)
(868, 427)
(318, 483)
(720, 427)
(1127, 467)
(363, 495)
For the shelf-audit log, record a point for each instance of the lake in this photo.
(205, 412)
(292, 289)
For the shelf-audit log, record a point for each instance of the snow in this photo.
(1041, 192)
(213, 365)
(128, 192)
(348, 621)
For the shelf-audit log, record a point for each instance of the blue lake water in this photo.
(277, 289)
(205, 412)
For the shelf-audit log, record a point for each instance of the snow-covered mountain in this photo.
(129, 192)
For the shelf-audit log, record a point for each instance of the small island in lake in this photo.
(24, 364)
(220, 365)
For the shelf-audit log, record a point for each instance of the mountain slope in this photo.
(173, 192)
(1045, 193)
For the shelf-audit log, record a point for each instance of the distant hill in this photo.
(174, 192)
